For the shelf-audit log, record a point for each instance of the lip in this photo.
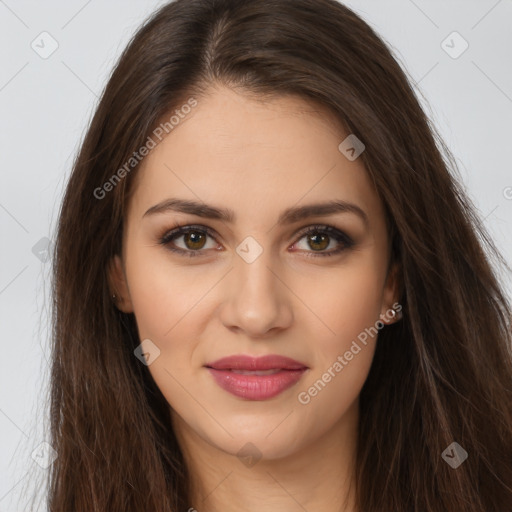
(281, 373)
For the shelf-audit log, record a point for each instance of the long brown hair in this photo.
(441, 375)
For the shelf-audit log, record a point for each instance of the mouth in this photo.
(257, 372)
(254, 378)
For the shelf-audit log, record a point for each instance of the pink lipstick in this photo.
(256, 378)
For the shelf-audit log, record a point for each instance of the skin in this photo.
(258, 158)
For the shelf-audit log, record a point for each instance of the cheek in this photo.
(164, 295)
(342, 303)
(343, 344)
(169, 306)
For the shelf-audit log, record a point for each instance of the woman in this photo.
(269, 291)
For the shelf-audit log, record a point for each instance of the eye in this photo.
(320, 237)
(194, 239)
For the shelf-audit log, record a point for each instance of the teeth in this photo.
(258, 372)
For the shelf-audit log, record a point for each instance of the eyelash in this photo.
(180, 230)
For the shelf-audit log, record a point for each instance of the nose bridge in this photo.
(252, 261)
(255, 277)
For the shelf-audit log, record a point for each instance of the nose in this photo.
(256, 301)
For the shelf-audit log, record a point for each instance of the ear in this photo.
(391, 295)
(119, 285)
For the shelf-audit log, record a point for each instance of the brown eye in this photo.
(318, 242)
(319, 238)
(194, 240)
(189, 240)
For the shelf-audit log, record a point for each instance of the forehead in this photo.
(247, 152)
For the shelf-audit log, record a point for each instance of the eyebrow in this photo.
(288, 216)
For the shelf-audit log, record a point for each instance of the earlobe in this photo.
(392, 315)
(120, 293)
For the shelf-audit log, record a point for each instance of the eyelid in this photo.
(327, 228)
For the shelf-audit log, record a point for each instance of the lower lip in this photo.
(256, 387)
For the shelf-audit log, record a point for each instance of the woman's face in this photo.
(248, 280)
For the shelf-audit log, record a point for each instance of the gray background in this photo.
(46, 104)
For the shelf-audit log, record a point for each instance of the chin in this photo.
(263, 441)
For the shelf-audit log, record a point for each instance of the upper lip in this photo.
(268, 362)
